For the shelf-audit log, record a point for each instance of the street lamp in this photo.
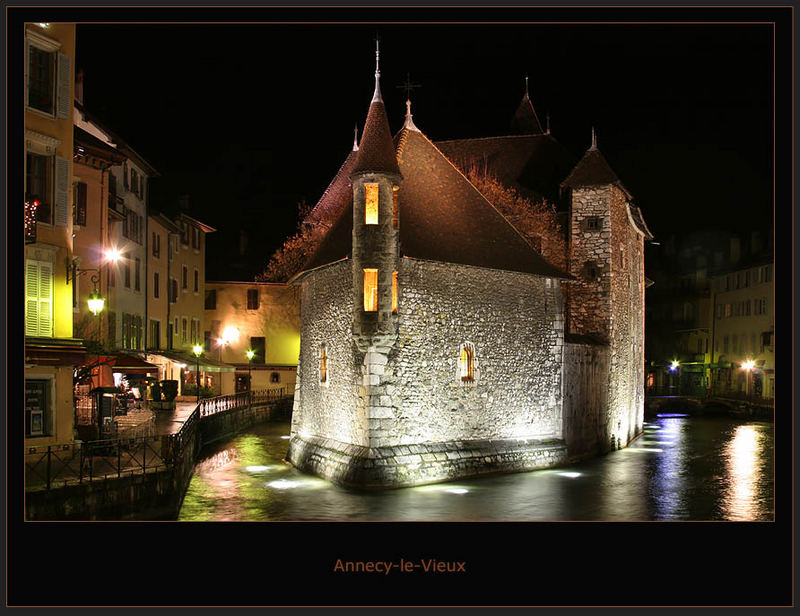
(250, 355)
(748, 367)
(197, 350)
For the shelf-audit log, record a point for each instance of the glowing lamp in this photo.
(674, 365)
(197, 350)
(230, 334)
(749, 365)
(96, 302)
(113, 255)
(250, 354)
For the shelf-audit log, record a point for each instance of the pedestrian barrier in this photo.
(53, 466)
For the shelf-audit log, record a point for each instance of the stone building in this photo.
(436, 342)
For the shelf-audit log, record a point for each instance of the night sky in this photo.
(249, 120)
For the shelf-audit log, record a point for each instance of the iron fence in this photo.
(60, 465)
(51, 466)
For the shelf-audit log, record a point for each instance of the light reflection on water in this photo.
(681, 468)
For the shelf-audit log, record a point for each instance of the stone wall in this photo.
(626, 369)
(589, 302)
(585, 398)
(514, 323)
(405, 415)
(329, 409)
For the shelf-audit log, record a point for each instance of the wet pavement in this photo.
(682, 468)
(170, 422)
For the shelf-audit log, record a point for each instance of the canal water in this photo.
(682, 468)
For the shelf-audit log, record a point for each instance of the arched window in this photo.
(323, 365)
(370, 290)
(467, 362)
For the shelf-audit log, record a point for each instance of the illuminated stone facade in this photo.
(555, 358)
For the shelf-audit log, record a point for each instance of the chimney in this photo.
(242, 242)
(736, 250)
(183, 203)
(79, 87)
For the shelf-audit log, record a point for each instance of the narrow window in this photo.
(183, 330)
(211, 299)
(467, 362)
(155, 285)
(252, 299)
(594, 224)
(39, 185)
(196, 281)
(41, 79)
(370, 290)
(275, 377)
(137, 274)
(259, 345)
(127, 271)
(79, 208)
(394, 292)
(323, 365)
(395, 215)
(371, 203)
(185, 278)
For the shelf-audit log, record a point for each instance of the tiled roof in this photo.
(339, 191)
(593, 169)
(533, 164)
(638, 220)
(376, 151)
(442, 218)
(96, 146)
(525, 120)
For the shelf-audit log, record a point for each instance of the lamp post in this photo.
(197, 350)
(250, 354)
(748, 367)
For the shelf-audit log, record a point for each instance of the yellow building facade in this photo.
(743, 337)
(259, 316)
(51, 350)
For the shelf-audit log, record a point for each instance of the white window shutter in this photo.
(31, 298)
(64, 100)
(62, 216)
(45, 299)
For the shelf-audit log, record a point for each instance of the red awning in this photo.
(130, 364)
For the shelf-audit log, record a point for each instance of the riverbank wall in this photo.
(154, 493)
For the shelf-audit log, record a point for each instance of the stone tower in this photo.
(606, 300)
(375, 180)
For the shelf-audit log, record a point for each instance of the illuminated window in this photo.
(370, 290)
(371, 203)
(394, 292)
(467, 362)
(323, 364)
(394, 206)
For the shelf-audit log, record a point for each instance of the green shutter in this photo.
(31, 298)
(62, 212)
(63, 98)
(38, 298)
(45, 299)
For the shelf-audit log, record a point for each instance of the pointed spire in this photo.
(376, 152)
(409, 123)
(594, 140)
(377, 95)
(355, 139)
(525, 121)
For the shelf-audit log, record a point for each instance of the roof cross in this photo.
(408, 86)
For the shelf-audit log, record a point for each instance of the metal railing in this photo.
(53, 466)
(219, 404)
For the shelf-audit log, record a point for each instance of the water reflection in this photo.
(681, 468)
(743, 452)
